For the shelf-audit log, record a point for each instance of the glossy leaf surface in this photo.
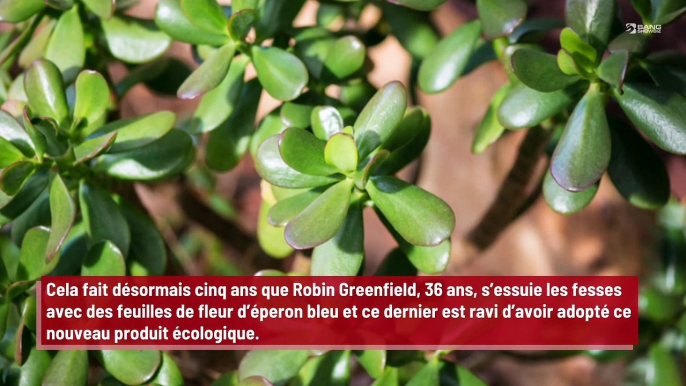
(583, 152)
(417, 215)
(322, 219)
(659, 114)
(380, 117)
(448, 60)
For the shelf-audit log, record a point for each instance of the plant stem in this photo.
(512, 194)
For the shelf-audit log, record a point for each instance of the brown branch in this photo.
(511, 197)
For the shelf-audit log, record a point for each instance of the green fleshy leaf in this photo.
(332, 368)
(13, 206)
(43, 85)
(147, 255)
(396, 263)
(169, 373)
(566, 63)
(448, 60)
(636, 170)
(613, 69)
(241, 22)
(32, 264)
(563, 201)
(29, 312)
(219, 103)
(657, 306)
(534, 29)
(228, 144)
(307, 230)
(357, 94)
(288, 208)
(409, 152)
(665, 11)
(33, 370)
(132, 367)
(500, 17)
(92, 148)
(68, 367)
(69, 58)
(490, 129)
(92, 97)
(160, 159)
(414, 30)
(583, 53)
(207, 15)
(312, 45)
(103, 219)
(583, 153)
(134, 40)
(663, 367)
(210, 74)
(341, 152)
(374, 361)
(104, 259)
(73, 251)
(428, 260)
(62, 213)
(9, 154)
(343, 255)
(302, 151)
(345, 58)
(366, 169)
(539, 70)
(12, 131)
(417, 215)
(15, 11)
(35, 48)
(277, 366)
(298, 113)
(281, 73)
(170, 18)
(15, 175)
(380, 117)
(46, 132)
(275, 16)
(271, 239)
(525, 107)
(326, 121)
(636, 44)
(136, 132)
(328, 14)
(389, 378)
(483, 53)
(272, 168)
(408, 129)
(37, 214)
(592, 20)
(659, 114)
(104, 9)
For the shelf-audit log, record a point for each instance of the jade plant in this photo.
(333, 146)
(565, 100)
(69, 162)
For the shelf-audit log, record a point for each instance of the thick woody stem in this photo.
(512, 194)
